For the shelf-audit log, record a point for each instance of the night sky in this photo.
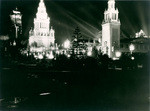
(66, 15)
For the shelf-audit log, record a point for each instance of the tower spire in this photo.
(41, 36)
(111, 4)
(111, 14)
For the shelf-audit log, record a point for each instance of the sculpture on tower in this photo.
(42, 36)
(111, 30)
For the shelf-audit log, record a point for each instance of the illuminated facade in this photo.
(111, 30)
(42, 36)
(141, 34)
(141, 43)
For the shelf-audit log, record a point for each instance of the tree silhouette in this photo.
(78, 43)
(76, 36)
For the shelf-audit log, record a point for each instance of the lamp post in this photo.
(118, 54)
(131, 48)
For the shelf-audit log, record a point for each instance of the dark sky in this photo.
(66, 15)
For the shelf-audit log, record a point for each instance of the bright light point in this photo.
(44, 94)
(14, 43)
(16, 101)
(40, 56)
(83, 51)
(12, 106)
(68, 55)
(114, 58)
(131, 47)
(118, 54)
(132, 58)
(89, 53)
(51, 56)
(67, 44)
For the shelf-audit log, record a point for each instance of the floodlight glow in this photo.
(67, 44)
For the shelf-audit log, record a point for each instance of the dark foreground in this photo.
(29, 88)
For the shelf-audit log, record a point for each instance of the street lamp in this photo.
(131, 48)
(89, 53)
(118, 54)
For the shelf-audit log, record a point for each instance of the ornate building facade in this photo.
(111, 30)
(42, 36)
(141, 43)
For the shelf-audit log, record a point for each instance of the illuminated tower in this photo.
(111, 30)
(42, 35)
(16, 27)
